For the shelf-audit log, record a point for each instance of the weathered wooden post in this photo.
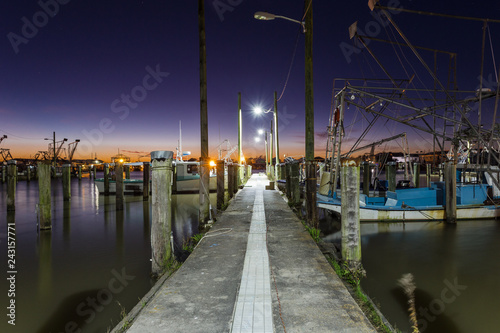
(4, 173)
(294, 183)
(119, 186)
(145, 181)
(288, 185)
(416, 174)
(79, 172)
(249, 172)
(220, 184)
(351, 240)
(428, 174)
(66, 178)
(28, 173)
(44, 200)
(450, 181)
(230, 180)
(390, 173)
(161, 197)
(90, 171)
(94, 170)
(367, 177)
(127, 171)
(106, 179)
(236, 180)
(11, 185)
(283, 172)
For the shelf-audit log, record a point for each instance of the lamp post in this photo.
(274, 131)
(307, 28)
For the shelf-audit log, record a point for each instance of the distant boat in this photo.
(187, 180)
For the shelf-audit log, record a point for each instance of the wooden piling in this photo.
(230, 180)
(390, 174)
(44, 200)
(450, 180)
(220, 184)
(249, 171)
(351, 239)
(4, 173)
(106, 179)
(161, 198)
(119, 186)
(145, 181)
(79, 172)
(66, 178)
(428, 174)
(11, 185)
(127, 171)
(294, 183)
(416, 174)
(288, 179)
(236, 182)
(367, 176)
(94, 170)
(28, 173)
(311, 197)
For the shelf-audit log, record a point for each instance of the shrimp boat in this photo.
(187, 180)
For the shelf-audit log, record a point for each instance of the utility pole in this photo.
(204, 169)
(312, 213)
(54, 148)
(276, 136)
(240, 129)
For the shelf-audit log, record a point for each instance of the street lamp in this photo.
(257, 139)
(265, 16)
(307, 28)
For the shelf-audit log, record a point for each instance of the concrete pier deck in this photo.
(233, 282)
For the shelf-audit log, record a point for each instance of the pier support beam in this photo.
(351, 240)
(450, 181)
(294, 184)
(4, 173)
(44, 200)
(145, 181)
(119, 186)
(428, 169)
(79, 172)
(390, 174)
(230, 180)
(28, 173)
(311, 189)
(416, 174)
(106, 179)
(288, 181)
(127, 171)
(11, 185)
(66, 178)
(236, 180)
(220, 184)
(161, 198)
(367, 177)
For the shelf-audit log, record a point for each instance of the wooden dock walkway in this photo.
(233, 282)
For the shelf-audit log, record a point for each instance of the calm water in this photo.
(92, 253)
(456, 270)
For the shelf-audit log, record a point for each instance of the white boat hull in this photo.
(368, 214)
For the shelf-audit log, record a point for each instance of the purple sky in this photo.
(73, 72)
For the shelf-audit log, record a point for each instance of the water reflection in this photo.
(455, 268)
(60, 268)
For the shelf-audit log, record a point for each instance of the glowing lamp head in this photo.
(260, 131)
(257, 110)
(121, 160)
(257, 139)
(212, 163)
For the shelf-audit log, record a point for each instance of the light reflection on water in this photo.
(439, 256)
(61, 271)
